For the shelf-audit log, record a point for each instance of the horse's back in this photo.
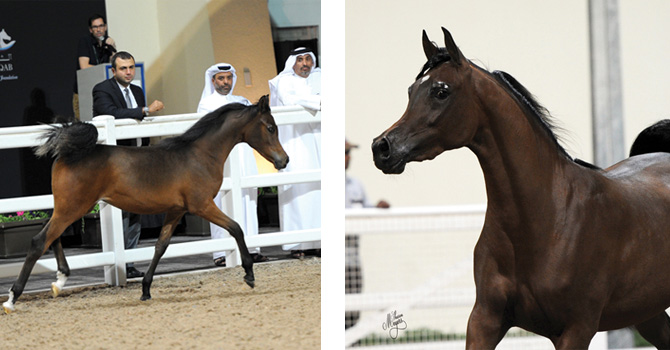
(648, 167)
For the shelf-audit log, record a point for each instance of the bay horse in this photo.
(566, 250)
(178, 175)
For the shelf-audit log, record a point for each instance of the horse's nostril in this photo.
(382, 148)
(384, 145)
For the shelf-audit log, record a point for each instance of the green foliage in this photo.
(427, 335)
(640, 342)
(424, 335)
(410, 336)
(267, 190)
(23, 216)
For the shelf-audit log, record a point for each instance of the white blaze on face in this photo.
(424, 79)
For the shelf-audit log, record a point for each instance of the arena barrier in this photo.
(113, 256)
(414, 266)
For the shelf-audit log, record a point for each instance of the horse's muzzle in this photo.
(385, 159)
(280, 161)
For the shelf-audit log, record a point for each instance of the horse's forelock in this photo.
(440, 57)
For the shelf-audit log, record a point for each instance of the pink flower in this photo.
(19, 213)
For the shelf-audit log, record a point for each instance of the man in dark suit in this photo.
(118, 97)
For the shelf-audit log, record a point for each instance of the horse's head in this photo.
(261, 134)
(439, 114)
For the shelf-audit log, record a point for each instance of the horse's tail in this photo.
(70, 142)
(655, 138)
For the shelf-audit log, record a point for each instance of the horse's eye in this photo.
(271, 129)
(440, 92)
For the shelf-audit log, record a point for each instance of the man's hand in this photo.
(383, 204)
(155, 106)
(110, 42)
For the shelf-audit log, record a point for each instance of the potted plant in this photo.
(196, 226)
(17, 230)
(91, 234)
(268, 207)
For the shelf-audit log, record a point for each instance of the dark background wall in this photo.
(37, 76)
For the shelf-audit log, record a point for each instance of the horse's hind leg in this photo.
(213, 214)
(35, 252)
(63, 269)
(656, 330)
(39, 244)
(171, 220)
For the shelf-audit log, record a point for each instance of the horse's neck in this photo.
(218, 145)
(520, 162)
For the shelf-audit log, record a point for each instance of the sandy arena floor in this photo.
(208, 310)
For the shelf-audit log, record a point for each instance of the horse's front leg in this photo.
(656, 330)
(489, 320)
(488, 323)
(213, 214)
(171, 220)
(576, 336)
(63, 269)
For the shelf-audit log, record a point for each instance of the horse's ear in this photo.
(452, 49)
(264, 104)
(429, 48)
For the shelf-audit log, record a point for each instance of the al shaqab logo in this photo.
(6, 41)
(6, 65)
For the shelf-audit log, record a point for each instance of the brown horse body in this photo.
(179, 175)
(565, 250)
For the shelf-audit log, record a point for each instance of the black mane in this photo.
(209, 123)
(528, 101)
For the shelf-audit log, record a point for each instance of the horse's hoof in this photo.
(250, 283)
(8, 307)
(145, 297)
(55, 289)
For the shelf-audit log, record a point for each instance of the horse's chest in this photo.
(539, 311)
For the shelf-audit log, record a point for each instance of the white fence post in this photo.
(111, 220)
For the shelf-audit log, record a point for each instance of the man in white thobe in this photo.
(300, 204)
(220, 81)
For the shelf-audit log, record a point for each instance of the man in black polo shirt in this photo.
(93, 49)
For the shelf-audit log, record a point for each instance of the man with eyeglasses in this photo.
(92, 50)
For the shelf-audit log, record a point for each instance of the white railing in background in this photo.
(440, 291)
(113, 256)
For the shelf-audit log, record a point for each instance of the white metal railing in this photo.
(113, 255)
(444, 289)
